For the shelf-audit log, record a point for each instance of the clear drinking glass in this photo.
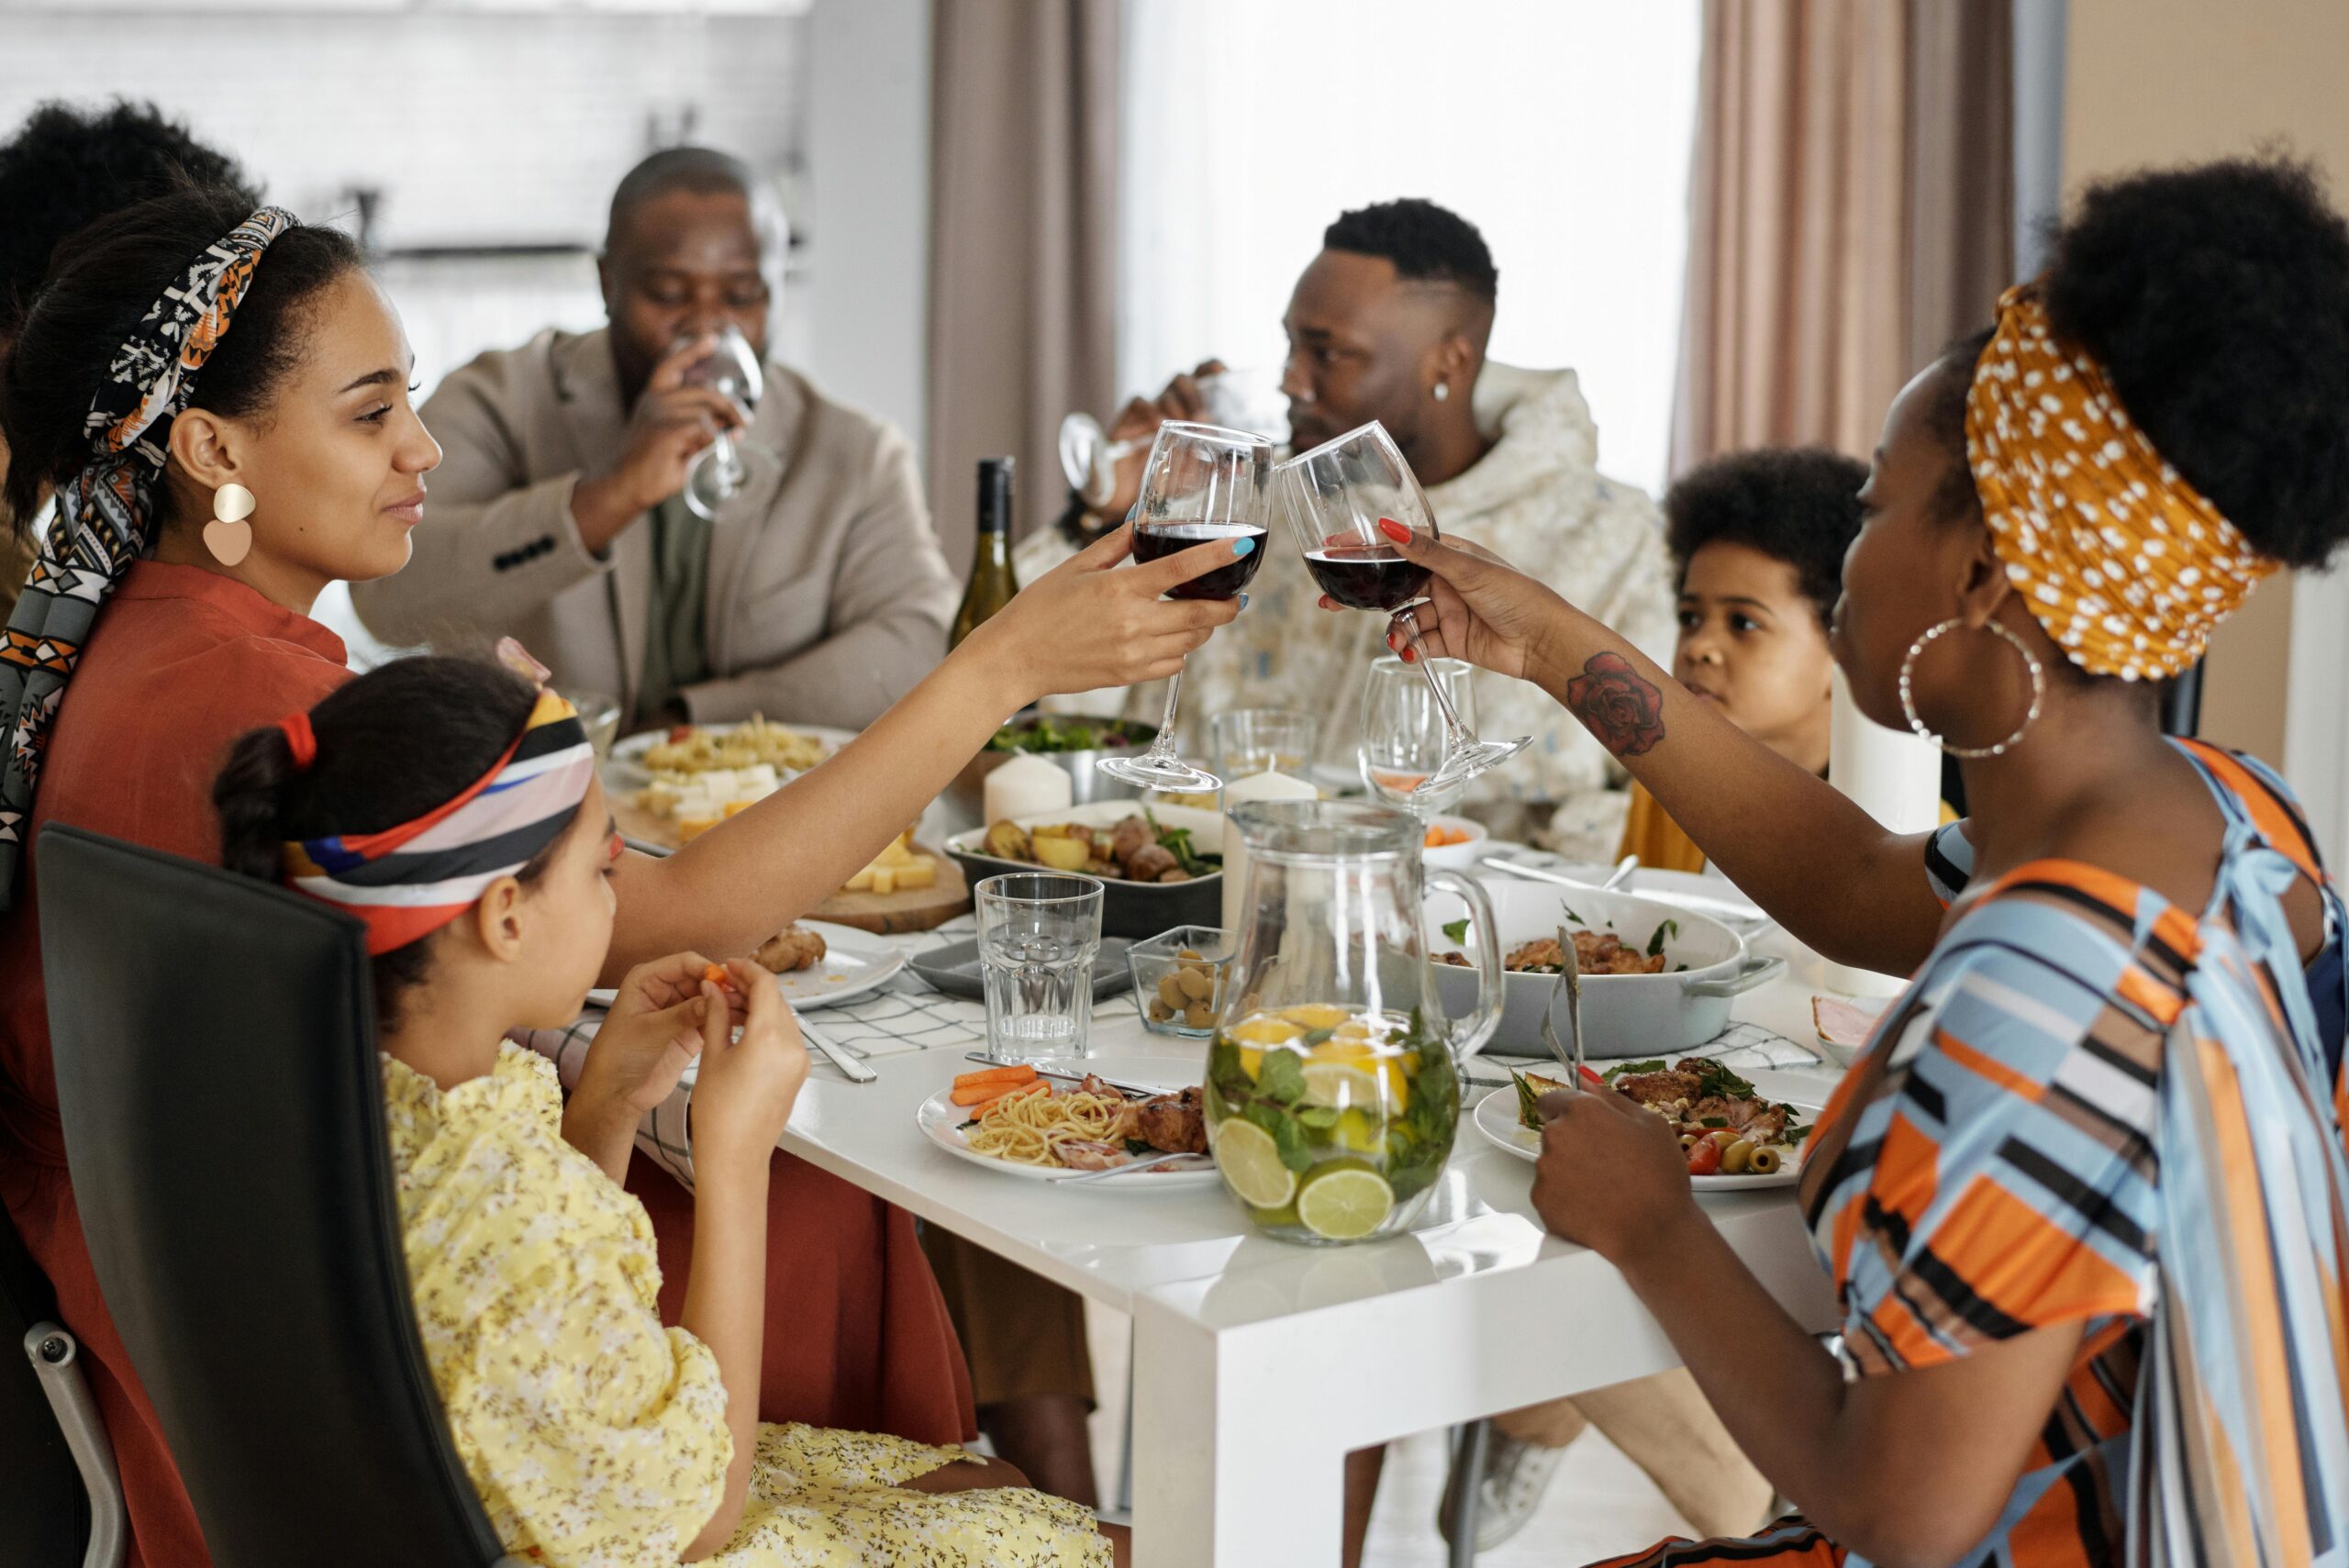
(715, 474)
(1039, 934)
(1334, 496)
(1240, 399)
(1201, 483)
(1403, 737)
(1251, 740)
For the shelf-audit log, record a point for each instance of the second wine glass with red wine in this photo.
(1199, 483)
(1334, 496)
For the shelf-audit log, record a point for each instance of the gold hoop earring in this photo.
(1909, 701)
(227, 536)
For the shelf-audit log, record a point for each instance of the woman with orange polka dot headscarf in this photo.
(2085, 1198)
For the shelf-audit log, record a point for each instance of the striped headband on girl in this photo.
(407, 881)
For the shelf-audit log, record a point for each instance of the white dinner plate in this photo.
(625, 770)
(1496, 1118)
(940, 1121)
(854, 962)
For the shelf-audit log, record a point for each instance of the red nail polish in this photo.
(1394, 530)
(1411, 656)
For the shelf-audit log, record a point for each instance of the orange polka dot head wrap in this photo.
(2126, 564)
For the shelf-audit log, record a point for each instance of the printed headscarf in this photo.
(105, 514)
(2126, 564)
(407, 881)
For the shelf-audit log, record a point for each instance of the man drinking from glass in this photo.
(810, 588)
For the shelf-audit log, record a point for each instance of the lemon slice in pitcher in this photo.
(1345, 1200)
(1251, 1164)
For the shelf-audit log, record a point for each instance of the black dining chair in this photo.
(61, 1504)
(216, 1057)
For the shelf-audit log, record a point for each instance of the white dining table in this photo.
(1260, 1363)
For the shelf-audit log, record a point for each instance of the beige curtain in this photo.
(1851, 209)
(1022, 252)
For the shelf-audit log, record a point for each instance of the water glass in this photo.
(1251, 740)
(1039, 934)
(1403, 736)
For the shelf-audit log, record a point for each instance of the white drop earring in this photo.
(1442, 391)
(227, 536)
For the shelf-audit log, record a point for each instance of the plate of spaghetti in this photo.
(1024, 1124)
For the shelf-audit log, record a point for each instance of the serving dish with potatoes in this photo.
(1131, 905)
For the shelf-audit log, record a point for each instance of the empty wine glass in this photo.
(1199, 483)
(1334, 496)
(717, 472)
(1244, 399)
(1403, 737)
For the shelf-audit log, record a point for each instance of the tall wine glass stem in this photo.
(1163, 749)
(1457, 734)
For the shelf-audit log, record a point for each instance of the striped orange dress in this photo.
(2086, 1089)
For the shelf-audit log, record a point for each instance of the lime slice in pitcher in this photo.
(1345, 1200)
(1251, 1164)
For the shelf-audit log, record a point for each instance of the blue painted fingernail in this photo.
(1243, 599)
(1242, 546)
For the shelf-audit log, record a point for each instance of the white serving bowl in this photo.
(1622, 1014)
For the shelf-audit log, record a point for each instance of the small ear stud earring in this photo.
(1442, 391)
(227, 536)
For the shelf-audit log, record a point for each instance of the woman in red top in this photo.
(203, 346)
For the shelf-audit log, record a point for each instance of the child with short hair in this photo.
(1757, 541)
(455, 809)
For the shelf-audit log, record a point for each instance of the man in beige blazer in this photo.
(819, 593)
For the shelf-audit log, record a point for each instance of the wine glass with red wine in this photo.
(1334, 496)
(1199, 483)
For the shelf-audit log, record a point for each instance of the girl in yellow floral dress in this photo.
(455, 810)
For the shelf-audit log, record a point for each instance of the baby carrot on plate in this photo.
(973, 1088)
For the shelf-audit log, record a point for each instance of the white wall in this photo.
(868, 197)
(479, 127)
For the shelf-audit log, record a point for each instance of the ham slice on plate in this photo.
(1843, 1024)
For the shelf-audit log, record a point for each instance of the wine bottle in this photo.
(992, 580)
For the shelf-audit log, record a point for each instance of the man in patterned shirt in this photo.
(1389, 322)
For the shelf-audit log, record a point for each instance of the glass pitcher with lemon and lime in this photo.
(1333, 1087)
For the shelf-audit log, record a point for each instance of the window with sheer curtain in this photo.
(1560, 127)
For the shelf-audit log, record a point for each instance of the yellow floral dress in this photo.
(597, 1438)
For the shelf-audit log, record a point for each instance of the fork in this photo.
(1152, 1163)
(1569, 982)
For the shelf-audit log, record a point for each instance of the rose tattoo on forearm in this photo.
(1624, 711)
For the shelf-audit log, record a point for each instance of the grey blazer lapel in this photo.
(587, 386)
(734, 536)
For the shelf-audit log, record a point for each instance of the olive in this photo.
(1766, 1162)
(1198, 1017)
(1189, 956)
(1737, 1158)
(1198, 985)
(1159, 1011)
(1170, 990)
(1688, 1141)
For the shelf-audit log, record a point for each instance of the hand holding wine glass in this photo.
(1479, 608)
(1200, 484)
(1347, 502)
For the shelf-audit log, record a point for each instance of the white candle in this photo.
(1026, 786)
(1894, 777)
(1266, 785)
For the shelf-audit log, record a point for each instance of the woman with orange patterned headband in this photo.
(2084, 1197)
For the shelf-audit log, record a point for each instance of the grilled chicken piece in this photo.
(1150, 861)
(1175, 1124)
(1675, 1087)
(1081, 1154)
(1129, 837)
(793, 948)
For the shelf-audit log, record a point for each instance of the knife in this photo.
(856, 1072)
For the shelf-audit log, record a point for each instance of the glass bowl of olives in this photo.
(1178, 979)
